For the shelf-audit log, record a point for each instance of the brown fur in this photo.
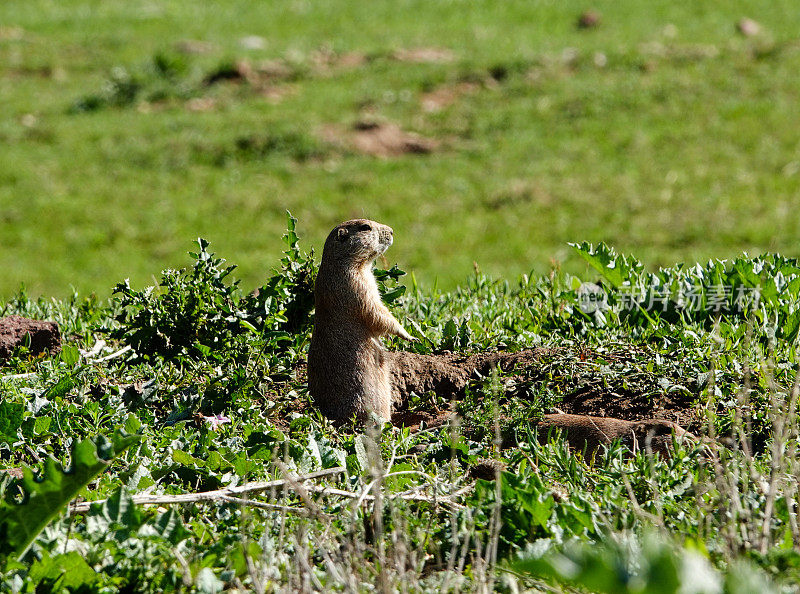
(348, 368)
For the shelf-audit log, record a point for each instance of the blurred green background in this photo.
(504, 131)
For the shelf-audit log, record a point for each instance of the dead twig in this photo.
(247, 488)
(270, 506)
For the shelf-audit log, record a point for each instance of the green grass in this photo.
(682, 147)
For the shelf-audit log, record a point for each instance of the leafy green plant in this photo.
(285, 302)
(198, 312)
(766, 287)
(120, 89)
(165, 76)
(220, 397)
(651, 565)
(45, 497)
(195, 311)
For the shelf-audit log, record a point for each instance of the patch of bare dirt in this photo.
(270, 79)
(422, 55)
(383, 140)
(448, 374)
(11, 33)
(43, 336)
(592, 399)
(414, 420)
(445, 96)
(201, 104)
(257, 75)
(326, 61)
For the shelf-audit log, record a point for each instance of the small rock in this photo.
(600, 59)
(44, 336)
(588, 20)
(748, 27)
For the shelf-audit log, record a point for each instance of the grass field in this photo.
(661, 131)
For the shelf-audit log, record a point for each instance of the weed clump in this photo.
(196, 312)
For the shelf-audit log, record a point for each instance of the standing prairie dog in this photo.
(348, 370)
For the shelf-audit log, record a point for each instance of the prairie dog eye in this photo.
(365, 227)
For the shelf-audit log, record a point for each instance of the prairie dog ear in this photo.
(341, 235)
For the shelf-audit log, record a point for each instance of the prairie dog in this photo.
(348, 370)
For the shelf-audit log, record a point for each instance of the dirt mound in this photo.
(268, 71)
(448, 374)
(592, 399)
(379, 139)
(590, 432)
(14, 332)
(599, 411)
(589, 20)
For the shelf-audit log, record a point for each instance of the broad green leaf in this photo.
(392, 295)
(70, 354)
(119, 508)
(613, 267)
(67, 572)
(186, 459)
(41, 425)
(361, 444)
(11, 417)
(169, 526)
(791, 327)
(61, 387)
(46, 496)
(132, 424)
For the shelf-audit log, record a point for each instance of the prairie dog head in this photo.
(357, 242)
